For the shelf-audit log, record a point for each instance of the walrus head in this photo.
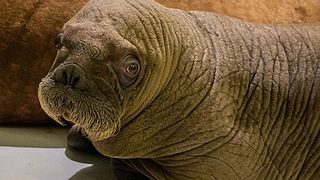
(110, 65)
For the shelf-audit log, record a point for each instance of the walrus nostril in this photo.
(67, 75)
(64, 77)
(75, 80)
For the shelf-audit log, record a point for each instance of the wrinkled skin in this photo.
(29, 27)
(214, 98)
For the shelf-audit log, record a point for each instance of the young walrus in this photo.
(189, 95)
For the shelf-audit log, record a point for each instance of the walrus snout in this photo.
(69, 75)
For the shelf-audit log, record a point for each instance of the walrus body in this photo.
(189, 95)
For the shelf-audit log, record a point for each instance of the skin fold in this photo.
(215, 97)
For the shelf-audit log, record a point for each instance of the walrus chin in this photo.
(94, 129)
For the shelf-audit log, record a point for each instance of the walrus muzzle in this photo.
(69, 93)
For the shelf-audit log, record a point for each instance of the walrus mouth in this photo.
(63, 120)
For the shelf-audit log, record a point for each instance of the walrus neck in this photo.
(194, 74)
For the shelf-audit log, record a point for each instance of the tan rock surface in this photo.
(261, 11)
(28, 29)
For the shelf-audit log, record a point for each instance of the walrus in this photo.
(27, 27)
(174, 94)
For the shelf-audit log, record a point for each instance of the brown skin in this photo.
(214, 97)
(29, 27)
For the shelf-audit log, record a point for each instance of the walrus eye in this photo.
(131, 67)
(57, 41)
(128, 71)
